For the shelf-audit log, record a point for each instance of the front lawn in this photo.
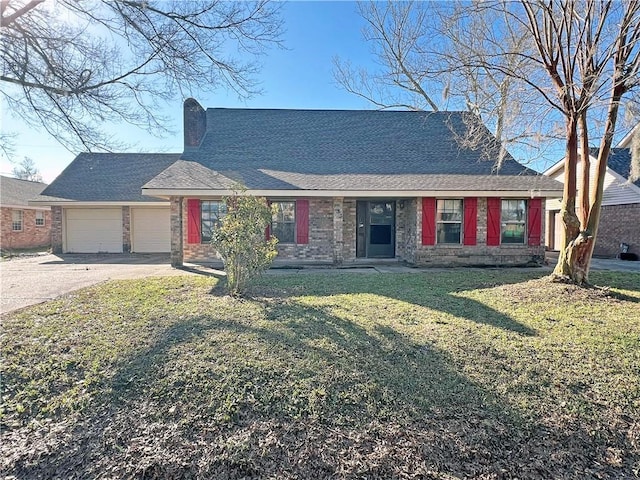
(444, 375)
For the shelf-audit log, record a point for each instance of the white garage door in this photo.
(94, 230)
(150, 230)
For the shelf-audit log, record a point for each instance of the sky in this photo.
(296, 76)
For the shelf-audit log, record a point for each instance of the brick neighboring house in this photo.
(23, 225)
(349, 186)
(620, 215)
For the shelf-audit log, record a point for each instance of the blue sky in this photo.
(297, 76)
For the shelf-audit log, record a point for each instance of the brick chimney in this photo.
(195, 123)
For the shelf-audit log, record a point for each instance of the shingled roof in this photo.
(347, 150)
(620, 162)
(16, 192)
(108, 177)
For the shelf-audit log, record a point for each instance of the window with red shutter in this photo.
(534, 221)
(470, 220)
(493, 221)
(302, 221)
(193, 220)
(428, 221)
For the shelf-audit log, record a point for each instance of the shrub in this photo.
(240, 240)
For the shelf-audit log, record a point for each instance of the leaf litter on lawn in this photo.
(319, 384)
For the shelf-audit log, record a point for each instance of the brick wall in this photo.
(349, 230)
(329, 246)
(30, 236)
(406, 230)
(56, 229)
(618, 223)
(479, 254)
(126, 229)
(319, 248)
(176, 231)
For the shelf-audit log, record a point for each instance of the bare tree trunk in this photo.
(575, 258)
(585, 180)
(565, 267)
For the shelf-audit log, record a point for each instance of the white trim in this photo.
(555, 167)
(24, 207)
(73, 203)
(626, 140)
(534, 193)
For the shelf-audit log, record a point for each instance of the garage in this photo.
(150, 230)
(93, 230)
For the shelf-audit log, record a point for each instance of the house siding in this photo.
(31, 235)
(618, 224)
(323, 214)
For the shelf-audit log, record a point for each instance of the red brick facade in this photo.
(332, 238)
(618, 224)
(31, 235)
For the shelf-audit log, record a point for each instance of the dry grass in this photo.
(460, 374)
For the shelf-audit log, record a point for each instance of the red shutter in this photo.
(428, 221)
(470, 220)
(193, 220)
(493, 221)
(302, 221)
(534, 216)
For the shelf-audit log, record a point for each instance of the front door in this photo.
(375, 236)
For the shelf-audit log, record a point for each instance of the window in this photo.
(448, 221)
(283, 221)
(39, 218)
(16, 220)
(211, 212)
(513, 221)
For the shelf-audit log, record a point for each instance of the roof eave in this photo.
(532, 193)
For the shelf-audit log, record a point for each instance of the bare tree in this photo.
(434, 55)
(571, 61)
(27, 170)
(72, 65)
(590, 52)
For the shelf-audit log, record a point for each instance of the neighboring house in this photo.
(348, 186)
(23, 226)
(620, 215)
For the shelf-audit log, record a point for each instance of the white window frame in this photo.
(42, 218)
(220, 212)
(444, 202)
(275, 221)
(507, 222)
(17, 222)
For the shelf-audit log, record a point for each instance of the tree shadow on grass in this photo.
(300, 392)
(437, 291)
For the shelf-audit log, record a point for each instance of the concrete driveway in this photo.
(31, 280)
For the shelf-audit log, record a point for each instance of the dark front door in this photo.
(375, 235)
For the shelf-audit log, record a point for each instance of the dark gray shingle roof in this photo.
(18, 192)
(620, 162)
(343, 150)
(108, 177)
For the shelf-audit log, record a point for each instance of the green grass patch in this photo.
(455, 374)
